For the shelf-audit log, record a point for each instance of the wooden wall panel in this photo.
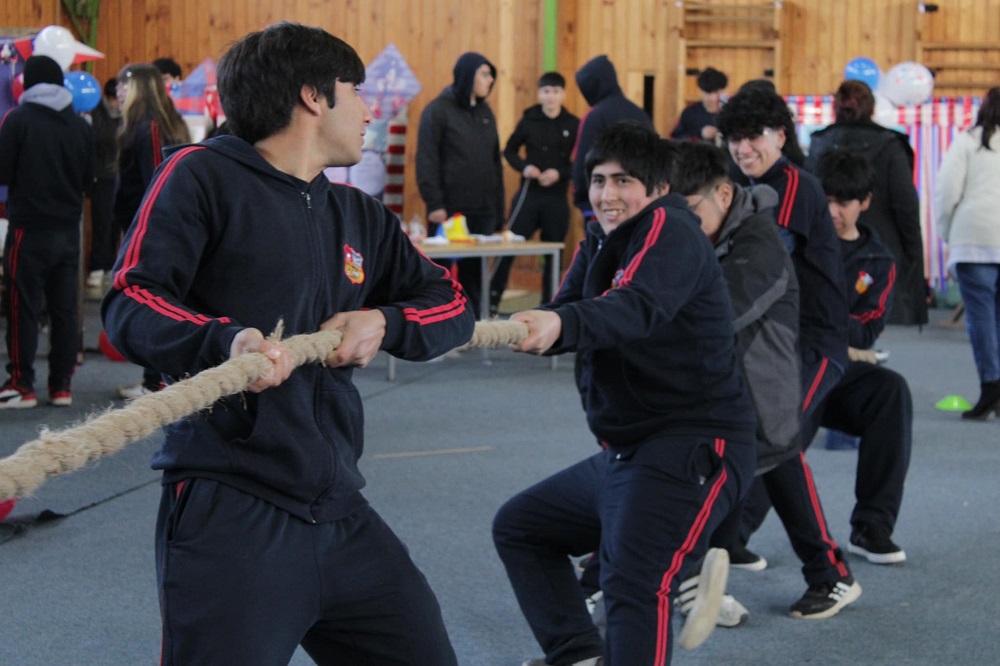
(819, 37)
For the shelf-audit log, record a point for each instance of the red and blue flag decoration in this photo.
(190, 97)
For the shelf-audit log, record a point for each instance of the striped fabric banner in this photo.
(931, 128)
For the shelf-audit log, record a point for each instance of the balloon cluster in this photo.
(59, 44)
(905, 84)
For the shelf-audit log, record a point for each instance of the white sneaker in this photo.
(95, 279)
(133, 391)
(732, 613)
(701, 599)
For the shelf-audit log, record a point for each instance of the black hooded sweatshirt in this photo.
(458, 149)
(598, 83)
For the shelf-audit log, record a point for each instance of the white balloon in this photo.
(907, 83)
(59, 44)
(885, 111)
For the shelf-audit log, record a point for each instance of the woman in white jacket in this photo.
(967, 201)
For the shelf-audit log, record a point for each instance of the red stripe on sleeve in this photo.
(659, 217)
(154, 132)
(788, 201)
(134, 248)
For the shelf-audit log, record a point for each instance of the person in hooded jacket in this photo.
(47, 162)
(598, 83)
(458, 160)
(264, 540)
(894, 213)
(547, 132)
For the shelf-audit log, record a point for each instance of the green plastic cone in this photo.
(953, 403)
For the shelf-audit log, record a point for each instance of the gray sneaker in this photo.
(701, 599)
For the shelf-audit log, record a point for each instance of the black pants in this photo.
(470, 270)
(103, 230)
(243, 582)
(542, 209)
(790, 488)
(647, 512)
(874, 403)
(41, 267)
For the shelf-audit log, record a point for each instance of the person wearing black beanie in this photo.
(47, 162)
(41, 69)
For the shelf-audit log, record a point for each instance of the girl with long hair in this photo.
(150, 123)
(967, 200)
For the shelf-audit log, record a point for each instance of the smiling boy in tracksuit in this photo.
(646, 308)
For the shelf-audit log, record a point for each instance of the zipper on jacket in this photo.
(309, 205)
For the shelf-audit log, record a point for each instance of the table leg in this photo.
(484, 295)
(554, 270)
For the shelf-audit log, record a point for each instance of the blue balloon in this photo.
(85, 89)
(865, 70)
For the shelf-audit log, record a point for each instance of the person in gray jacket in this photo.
(765, 297)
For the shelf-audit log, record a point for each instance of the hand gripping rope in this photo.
(61, 451)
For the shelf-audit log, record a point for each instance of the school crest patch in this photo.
(354, 265)
(863, 282)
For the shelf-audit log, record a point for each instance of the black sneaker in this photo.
(872, 542)
(825, 600)
(741, 558)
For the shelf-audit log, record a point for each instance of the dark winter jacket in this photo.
(137, 161)
(806, 226)
(225, 241)
(548, 144)
(46, 159)
(598, 83)
(894, 213)
(106, 121)
(694, 118)
(765, 297)
(458, 150)
(870, 273)
(647, 311)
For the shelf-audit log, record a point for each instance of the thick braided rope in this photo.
(61, 451)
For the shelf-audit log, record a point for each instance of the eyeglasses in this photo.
(751, 136)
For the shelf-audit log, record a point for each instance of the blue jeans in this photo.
(980, 287)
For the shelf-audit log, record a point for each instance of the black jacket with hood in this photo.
(224, 241)
(458, 149)
(765, 296)
(46, 159)
(894, 213)
(598, 83)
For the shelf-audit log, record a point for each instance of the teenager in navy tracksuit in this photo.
(47, 160)
(645, 306)
(264, 540)
(870, 401)
(754, 123)
(547, 131)
(598, 83)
